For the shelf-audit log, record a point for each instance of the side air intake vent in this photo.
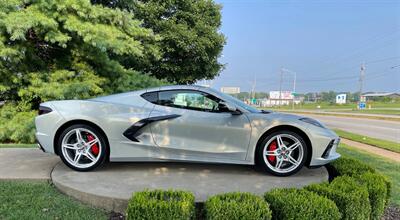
(328, 149)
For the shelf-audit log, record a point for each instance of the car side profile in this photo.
(181, 123)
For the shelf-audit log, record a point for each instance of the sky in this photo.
(323, 42)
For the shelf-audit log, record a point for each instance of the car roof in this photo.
(172, 87)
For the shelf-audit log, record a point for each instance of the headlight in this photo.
(313, 122)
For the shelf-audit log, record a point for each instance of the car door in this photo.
(200, 128)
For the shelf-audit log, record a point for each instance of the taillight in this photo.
(44, 110)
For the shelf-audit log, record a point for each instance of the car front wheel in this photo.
(81, 147)
(282, 153)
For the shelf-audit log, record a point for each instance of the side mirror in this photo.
(226, 106)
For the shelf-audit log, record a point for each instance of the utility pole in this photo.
(253, 88)
(280, 87)
(361, 80)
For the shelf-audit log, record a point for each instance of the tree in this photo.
(55, 49)
(190, 43)
(65, 49)
(328, 96)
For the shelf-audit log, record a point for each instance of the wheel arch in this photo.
(79, 121)
(292, 129)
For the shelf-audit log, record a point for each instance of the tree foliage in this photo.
(74, 49)
(56, 49)
(65, 49)
(190, 41)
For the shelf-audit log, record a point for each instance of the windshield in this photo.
(237, 102)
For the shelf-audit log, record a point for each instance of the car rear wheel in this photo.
(282, 153)
(82, 148)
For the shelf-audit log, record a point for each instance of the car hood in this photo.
(272, 114)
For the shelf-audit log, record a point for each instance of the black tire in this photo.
(261, 163)
(103, 145)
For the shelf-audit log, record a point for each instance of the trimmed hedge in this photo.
(161, 204)
(236, 205)
(350, 197)
(351, 167)
(354, 168)
(300, 204)
(388, 188)
(377, 193)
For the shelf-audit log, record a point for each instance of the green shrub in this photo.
(300, 204)
(231, 206)
(350, 197)
(16, 125)
(355, 168)
(351, 167)
(161, 204)
(388, 188)
(376, 186)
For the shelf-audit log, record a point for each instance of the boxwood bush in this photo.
(236, 205)
(355, 168)
(350, 197)
(161, 204)
(300, 204)
(376, 187)
(351, 167)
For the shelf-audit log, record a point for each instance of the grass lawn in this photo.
(40, 200)
(385, 166)
(372, 111)
(348, 107)
(388, 145)
(18, 146)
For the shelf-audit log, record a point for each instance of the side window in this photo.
(189, 100)
(151, 97)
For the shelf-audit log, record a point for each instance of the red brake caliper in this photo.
(272, 147)
(95, 147)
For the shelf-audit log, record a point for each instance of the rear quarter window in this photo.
(151, 97)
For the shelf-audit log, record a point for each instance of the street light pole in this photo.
(294, 88)
(294, 84)
(280, 88)
(361, 80)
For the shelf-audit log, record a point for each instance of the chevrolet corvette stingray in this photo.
(181, 123)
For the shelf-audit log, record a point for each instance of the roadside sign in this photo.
(230, 90)
(361, 105)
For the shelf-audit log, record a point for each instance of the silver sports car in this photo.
(181, 123)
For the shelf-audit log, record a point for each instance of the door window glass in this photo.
(189, 99)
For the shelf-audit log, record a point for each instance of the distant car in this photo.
(181, 123)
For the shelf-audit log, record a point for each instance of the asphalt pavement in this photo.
(382, 129)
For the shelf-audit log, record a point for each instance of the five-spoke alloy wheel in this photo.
(282, 153)
(82, 147)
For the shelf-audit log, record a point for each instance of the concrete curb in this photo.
(111, 187)
(28, 164)
(104, 202)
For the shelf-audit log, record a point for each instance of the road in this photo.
(382, 129)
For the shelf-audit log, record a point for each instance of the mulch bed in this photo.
(391, 213)
(116, 216)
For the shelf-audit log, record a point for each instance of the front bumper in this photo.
(329, 154)
(324, 144)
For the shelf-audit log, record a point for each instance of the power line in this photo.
(383, 60)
